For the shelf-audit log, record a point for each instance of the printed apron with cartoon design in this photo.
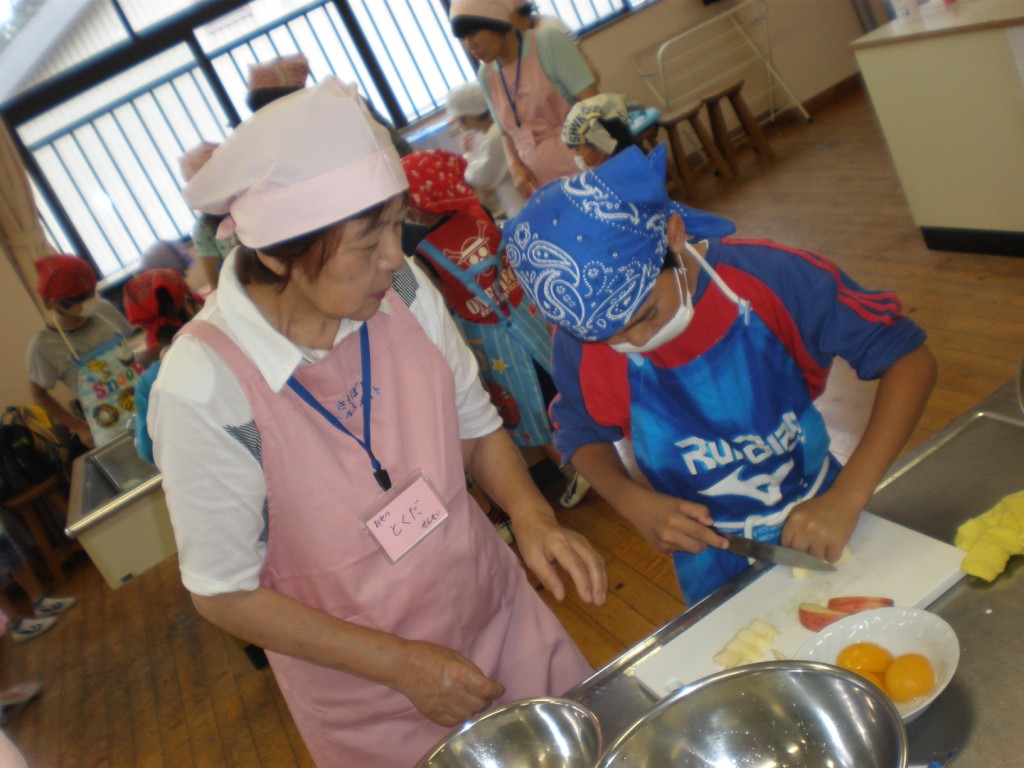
(531, 111)
(107, 375)
(735, 430)
(513, 341)
(460, 586)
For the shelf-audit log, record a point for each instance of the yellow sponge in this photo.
(990, 539)
(968, 533)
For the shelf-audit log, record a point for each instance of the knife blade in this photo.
(775, 553)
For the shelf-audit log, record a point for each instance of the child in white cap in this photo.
(314, 425)
(597, 128)
(486, 163)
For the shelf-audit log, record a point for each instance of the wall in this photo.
(19, 319)
(810, 42)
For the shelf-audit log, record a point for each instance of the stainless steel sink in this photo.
(960, 473)
(112, 476)
(117, 510)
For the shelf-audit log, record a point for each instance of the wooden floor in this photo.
(134, 678)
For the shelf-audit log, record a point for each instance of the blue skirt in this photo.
(509, 354)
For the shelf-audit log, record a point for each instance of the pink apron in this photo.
(540, 110)
(460, 587)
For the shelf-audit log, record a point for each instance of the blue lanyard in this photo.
(514, 93)
(379, 473)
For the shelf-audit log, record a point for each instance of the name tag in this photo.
(405, 515)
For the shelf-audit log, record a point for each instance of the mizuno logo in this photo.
(763, 488)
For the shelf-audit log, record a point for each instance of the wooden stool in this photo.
(647, 139)
(691, 113)
(713, 101)
(30, 504)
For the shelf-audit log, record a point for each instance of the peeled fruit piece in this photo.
(727, 658)
(746, 651)
(817, 617)
(858, 603)
(864, 657)
(909, 677)
(748, 645)
(764, 629)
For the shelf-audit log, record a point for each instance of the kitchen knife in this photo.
(774, 553)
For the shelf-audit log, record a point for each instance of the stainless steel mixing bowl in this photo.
(532, 733)
(776, 714)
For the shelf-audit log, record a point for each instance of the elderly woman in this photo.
(314, 425)
(530, 80)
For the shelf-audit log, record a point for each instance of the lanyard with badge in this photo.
(406, 512)
(522, 137)
(514, 93)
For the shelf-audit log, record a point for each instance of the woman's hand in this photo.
(443, 685)
(669, 524)
(823, 525)
(523, 178)
(542, 543)
(497, 466)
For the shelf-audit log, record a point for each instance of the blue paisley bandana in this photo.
(588, 248)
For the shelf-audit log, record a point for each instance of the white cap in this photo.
(496, 10)
(303, 162)
(581, 124)
(467, 100)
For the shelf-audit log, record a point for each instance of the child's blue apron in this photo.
(512, 346)
(735, 430)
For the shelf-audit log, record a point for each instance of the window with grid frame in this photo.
(114, 178)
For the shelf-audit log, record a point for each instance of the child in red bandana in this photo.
(160, 302)
(83, 347)
(462, 249)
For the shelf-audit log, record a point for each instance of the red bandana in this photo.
(142, 306)
(64, 276)
(436, 181)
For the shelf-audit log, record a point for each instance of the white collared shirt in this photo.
(207, 445)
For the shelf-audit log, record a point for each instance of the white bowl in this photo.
(899, 631)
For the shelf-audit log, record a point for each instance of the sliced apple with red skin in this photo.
(817, 617)
(857, 603)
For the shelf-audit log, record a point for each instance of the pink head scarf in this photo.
(301, 163)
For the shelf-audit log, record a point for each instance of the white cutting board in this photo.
(888, 560)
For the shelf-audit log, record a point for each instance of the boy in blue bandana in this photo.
(708, 351)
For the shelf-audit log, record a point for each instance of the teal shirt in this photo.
(205, 242)
(143, 440)
(563, 64)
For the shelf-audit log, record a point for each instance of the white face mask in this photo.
(471, 139)
(581, 163)
(675, 326)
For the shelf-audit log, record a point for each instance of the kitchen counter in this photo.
(947, 89)
(956, 475)
(939, 19)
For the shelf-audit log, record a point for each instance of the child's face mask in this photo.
(675, 325)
